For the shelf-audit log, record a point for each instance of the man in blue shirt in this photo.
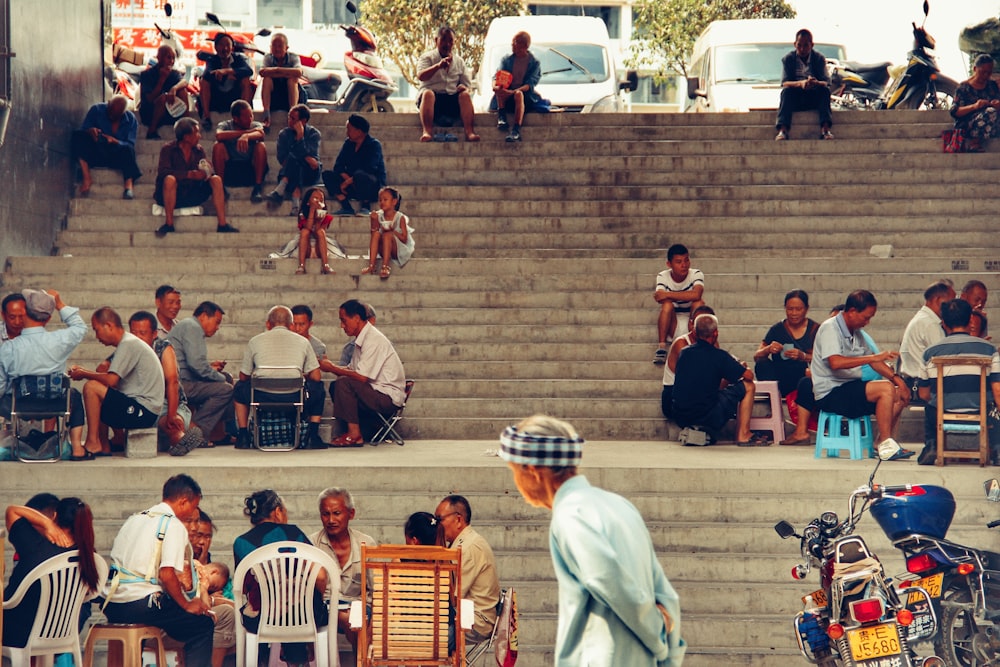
(41, 353)
(616, 607)
(107, 139)
(359, 171)
(961, 383)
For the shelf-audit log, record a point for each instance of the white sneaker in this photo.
(781, 136)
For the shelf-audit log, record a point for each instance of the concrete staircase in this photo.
(531, 285)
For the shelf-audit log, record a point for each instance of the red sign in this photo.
(190, 39)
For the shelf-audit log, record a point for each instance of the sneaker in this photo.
(660, 357)
(781, 136)
(193, 439)
(345, 210)
(227, 229)
(294, 212)
(164, 230)
(128, 194)
(364, 212)
(276, 196)
(243, 440)
(826, 134)
(255, 195)
(153, 134)
(315, 442)
(502, 122)
(514, 135)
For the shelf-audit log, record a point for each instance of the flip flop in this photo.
(87, 456)
(450, 138)
(796, 441)
(347, 441)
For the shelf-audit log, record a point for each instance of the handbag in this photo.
(953, 141)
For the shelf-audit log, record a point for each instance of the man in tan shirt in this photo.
(479, 571)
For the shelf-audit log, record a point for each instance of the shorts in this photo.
(446, 108)
(121, 411)
(240, 174)
(848, 400)
(189, 193)
(726, 405)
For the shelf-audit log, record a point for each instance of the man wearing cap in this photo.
(479, 568)
(616, 606)
(37, 352)
(359, 171)
(129, 393)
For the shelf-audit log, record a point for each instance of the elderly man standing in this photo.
(128, 395)
(279, 346)
(923, 331)
(359, 171)
(804, 85)
(107, 139)
(445, 88)
(37, 352)
(208, 390)
(616, 606)
(479, 569)
(840, 352)
(336, 511)
(375, 379)
(184, 178)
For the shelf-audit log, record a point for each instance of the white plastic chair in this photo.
(56, 626)
(286, 573)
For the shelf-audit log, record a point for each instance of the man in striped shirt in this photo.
(961, 384)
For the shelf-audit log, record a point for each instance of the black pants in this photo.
(103, 153)
(804, 99)
(299, 174)
(195, 631)
(365, 187)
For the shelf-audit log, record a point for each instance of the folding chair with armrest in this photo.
(388, 428)
(276, 394)
(61, 594)
(506, 615)
(39, 398)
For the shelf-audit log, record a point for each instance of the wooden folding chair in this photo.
(962, 422)
(413, 589)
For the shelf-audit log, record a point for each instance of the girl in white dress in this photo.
(392, 236)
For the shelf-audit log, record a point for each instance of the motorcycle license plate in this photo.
(931, 584)
(818, 598)
(874, 641)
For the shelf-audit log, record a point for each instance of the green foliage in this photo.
(666, 29)
(407, 29)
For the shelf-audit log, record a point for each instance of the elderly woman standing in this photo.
(975, 106)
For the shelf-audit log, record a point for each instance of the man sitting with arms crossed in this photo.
(129, 394)
(278, 346)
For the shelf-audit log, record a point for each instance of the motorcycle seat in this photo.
(866, 67)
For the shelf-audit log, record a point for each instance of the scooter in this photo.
(369, 84)
(123, 78)
(857, 617)
(920, 85)
(962, 583)
(857, 86)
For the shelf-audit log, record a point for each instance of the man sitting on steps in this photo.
(679, 289)
(804, 85)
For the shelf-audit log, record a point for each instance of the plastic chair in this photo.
(286, 573)
(277, 390)
(41, 397)
(859, 441)
(962, 422)
(388, 428)
(767, 390)
(413, 588)
(56, 626)
(131, 636)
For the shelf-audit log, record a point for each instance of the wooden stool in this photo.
(131, 636)
(767, 391)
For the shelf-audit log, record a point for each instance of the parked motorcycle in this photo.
(920, 85)
(962, 583)
(856, 618)
(857, 86)
(369, 84)
(123, 78)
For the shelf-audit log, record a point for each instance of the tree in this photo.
(666, 29)
(407, 29)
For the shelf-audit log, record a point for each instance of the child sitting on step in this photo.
(392, 237)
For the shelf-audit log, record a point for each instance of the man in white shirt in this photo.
(374, 380)
(445, 88)
(923, 331)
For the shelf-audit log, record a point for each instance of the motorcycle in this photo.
(123, 78)
(857, 86)
(920, 85)
(369, 84)
(857, 617)
(962, 583)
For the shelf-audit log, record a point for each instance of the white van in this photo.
(579, 72)
(736, 65)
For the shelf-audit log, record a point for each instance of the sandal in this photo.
(86, 456)
(384, 273)
(368, 269)
(347, 441)
(300, 270)
(326, 270)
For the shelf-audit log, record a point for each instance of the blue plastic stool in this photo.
(858, 441)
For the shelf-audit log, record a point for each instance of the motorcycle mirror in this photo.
(263, 32)
(351, 7)
(927, 7)
(168, 9)
(214, 19)
(992, 487)
(784, 530)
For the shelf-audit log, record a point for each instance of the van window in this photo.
(571, 63)
(759, 63)
(610, 14)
